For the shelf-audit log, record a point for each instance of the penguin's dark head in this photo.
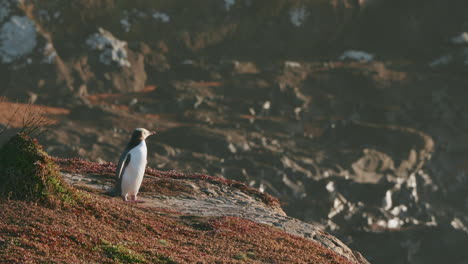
(142, 133)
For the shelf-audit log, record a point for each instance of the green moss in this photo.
(251, 254)
(164, 260)
(120, 253)
(28, 173)
(162, 242)
(244, 256)
(241, 256)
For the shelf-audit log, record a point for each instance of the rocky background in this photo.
(351, 112)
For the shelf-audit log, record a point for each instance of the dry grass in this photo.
(29, 116)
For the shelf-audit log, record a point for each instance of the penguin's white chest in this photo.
(135, 170)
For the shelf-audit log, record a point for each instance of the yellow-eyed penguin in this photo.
(131, 166)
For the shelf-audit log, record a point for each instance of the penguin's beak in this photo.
(152, 133)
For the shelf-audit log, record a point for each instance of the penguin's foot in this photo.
(133, 199)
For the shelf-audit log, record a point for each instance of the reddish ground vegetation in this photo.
(108, 170)
(109, 231)
(92, 228)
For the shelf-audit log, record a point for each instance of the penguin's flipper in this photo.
(123, 162)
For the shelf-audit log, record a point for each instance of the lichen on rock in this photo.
(17, 38)
(163, 17)
(28, 173)
(111, 49)
(298, 16)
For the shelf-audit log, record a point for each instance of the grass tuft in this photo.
(28, 173)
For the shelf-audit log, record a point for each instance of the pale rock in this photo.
(17, 38)
(112, 50)
(298, 16)
(228, 4)
(460, 39)
(357, 55)
(162, 17)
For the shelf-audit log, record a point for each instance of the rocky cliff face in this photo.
(352, 113)
(110, 45)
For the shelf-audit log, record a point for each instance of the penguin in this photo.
(131, 167)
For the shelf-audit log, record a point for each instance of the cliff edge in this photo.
(186, 218)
